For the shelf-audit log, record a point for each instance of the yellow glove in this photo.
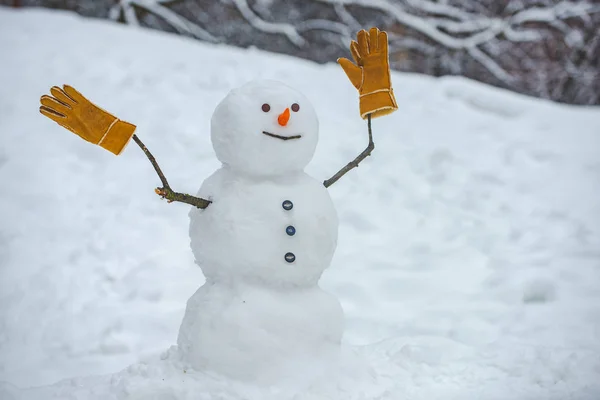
(71, 110)
(371, 73)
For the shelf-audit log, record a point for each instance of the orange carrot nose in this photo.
(284, 117)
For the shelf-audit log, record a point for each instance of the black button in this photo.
(290, 230)
(290, 257)
(287, 205)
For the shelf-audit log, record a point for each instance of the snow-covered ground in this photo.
(469, 252)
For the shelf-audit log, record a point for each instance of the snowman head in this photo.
(264, 128)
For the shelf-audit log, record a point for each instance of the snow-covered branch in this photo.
(490, 64)
(270, 27)
(156, 7)
(456, 29)
(346, 17)
(502, 44)
(562, 10)
(324, 25)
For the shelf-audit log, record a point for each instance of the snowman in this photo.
(261, 229)
(263, 242)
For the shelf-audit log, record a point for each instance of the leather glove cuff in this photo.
(117, 136)
(377, 103)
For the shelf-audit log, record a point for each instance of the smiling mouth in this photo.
(281, 137)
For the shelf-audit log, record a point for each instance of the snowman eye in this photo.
(266, 107)
(295, 107)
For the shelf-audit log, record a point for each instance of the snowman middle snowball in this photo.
(248, 230)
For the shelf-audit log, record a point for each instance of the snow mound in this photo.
(413, 368)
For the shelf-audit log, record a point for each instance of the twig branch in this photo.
(354, 163)
(165, 191)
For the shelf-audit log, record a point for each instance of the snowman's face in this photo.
(265, 128)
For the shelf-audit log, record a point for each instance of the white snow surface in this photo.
(468, 258)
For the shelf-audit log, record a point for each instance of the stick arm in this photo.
(165, 191)
(354, 163)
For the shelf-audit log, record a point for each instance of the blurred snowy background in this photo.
(544, 48)
(471, 238)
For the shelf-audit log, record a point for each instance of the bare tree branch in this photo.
(165, 191)
(354, 163)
